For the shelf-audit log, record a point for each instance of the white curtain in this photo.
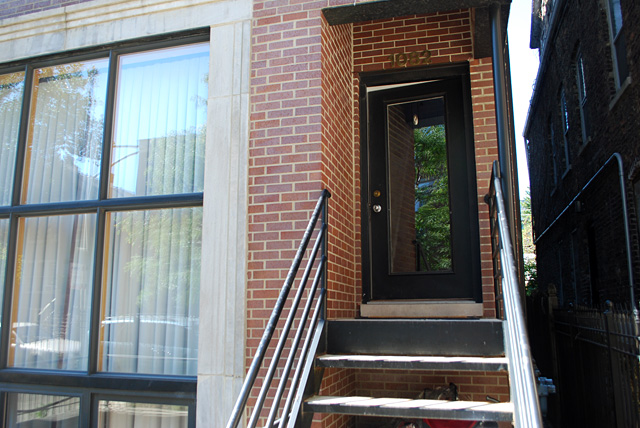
(64, 144)
(55, 254)
(150, 284)
(54, 272)
(4, 236)
(159, 132)
(150, 305)
(120, 414)
(11, 92)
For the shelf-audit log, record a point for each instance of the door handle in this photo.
(376, 208)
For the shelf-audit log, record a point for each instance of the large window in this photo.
(101, 184)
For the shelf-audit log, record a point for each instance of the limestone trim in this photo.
(103, 21)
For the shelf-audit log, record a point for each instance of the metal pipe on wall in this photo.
(499, 87)
(506, 137)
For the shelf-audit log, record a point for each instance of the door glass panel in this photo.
(419, 208)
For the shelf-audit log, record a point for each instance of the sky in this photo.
(524, 67)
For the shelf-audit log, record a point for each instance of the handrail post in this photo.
(324, 252)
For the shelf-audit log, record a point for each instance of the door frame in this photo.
(406, 77)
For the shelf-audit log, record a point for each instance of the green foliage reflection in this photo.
(433, 224)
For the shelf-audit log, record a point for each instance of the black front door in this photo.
(419, 190)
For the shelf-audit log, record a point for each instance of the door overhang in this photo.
(385, 9)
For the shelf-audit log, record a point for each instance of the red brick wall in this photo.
(486, 145)
(338, 158)
(447, 35)
(304, 136)
(472, 386)
(300, 142)
(11, 8)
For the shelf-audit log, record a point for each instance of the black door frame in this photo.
(408, 76)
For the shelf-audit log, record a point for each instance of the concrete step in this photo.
(408, 408)
(445, 337)
(413, 362)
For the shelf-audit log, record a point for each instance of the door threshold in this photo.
(421, 309)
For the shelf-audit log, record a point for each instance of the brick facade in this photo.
(584, 253)
(305, 136)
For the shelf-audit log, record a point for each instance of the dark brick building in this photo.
(583, 145)
(584, 109)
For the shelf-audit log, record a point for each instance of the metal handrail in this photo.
(522, 381)
(319, 282)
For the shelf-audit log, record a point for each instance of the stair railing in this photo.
(298, 381)
(522, 381)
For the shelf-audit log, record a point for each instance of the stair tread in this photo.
(413, 362)
(411, 408)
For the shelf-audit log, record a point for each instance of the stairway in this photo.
(425, 344)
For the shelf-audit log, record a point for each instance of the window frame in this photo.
(554, 154)
(564, 113)
(582, 98)
(91, 383)
(618, 45)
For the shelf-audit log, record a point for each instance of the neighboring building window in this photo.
(554, 154)
(582, 99)
(619, 47)
(100, 230)
(564, 143)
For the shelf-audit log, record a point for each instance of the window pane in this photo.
(150, 300)
(159, 131)
(64, 144)
(11, 91)
(4, 235)
(52, 291)
(43, 411)
(582, 87)
(121, 414)
(616, 16)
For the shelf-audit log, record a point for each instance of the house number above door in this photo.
(411, 58)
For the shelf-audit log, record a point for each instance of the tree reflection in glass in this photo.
(11, 93)
(433, 222)
(419, 220)
(64, 142)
